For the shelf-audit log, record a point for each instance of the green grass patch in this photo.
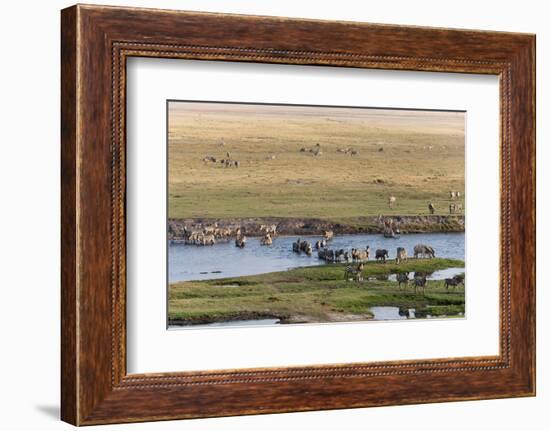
(313, 294)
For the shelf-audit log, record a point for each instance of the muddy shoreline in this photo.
(220, 319)
(312, 226)
(283, 319)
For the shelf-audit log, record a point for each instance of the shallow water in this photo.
(252, 322)
(390, 313)
(380, 313)
(188, 262)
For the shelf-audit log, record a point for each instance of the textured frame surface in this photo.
(96, 41)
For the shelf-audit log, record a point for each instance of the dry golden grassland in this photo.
(416, 156)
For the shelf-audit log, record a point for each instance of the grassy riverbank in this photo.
(312, 294)
(252, 226)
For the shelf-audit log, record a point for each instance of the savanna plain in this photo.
(240, 170)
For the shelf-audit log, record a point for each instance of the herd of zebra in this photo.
(420, 280)
(213, 234)
(358, 257)
(355, 254)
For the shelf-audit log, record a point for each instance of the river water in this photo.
(188, 262)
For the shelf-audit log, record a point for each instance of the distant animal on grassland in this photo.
(402, 278)
(455, 208)
(452, 194)
(328, 235)
(401, 255)
(347, 150)
(266, 240)
(423, 251)
(431, 208)
(381, 254)
(240, 241)
(391, 201)
(354, 272)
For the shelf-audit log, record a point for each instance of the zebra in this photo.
(401, 255)
(240, 241)
(322, 243)
(266, 240)
(305, 246)
(359, 255)
(402, 278)
(354, 271)
(455, 281)
(382, 254)
(419, 281)
(423, 250)
(459, 278)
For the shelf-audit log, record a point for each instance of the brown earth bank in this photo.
(311, 226)
(198, 320)
(283, 318)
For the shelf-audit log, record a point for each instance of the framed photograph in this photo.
(266, 215)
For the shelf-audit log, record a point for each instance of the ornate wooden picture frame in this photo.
(96, 42)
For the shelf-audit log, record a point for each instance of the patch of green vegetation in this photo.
(314, 294)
